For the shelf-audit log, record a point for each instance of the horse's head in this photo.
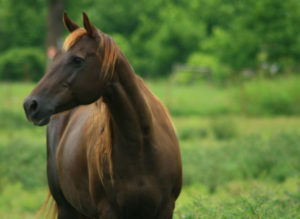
(78, 76)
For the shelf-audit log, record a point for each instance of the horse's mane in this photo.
(99, 140)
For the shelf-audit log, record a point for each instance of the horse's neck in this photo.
(130, 112)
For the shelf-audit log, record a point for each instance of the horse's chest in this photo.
(67, 170)
(136, 188)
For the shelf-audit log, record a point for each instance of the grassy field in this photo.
(239, 160)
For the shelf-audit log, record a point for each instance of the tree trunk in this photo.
(54, 29)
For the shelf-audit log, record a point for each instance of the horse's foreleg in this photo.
(167, 210)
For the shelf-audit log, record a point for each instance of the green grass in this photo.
(259, 97)
(235, 166)
(241, 199)
(196, 99)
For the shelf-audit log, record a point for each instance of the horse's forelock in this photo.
(73, 37)
(107, 47)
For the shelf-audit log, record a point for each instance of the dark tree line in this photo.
(230, 37)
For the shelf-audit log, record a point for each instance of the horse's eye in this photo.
(78, 60)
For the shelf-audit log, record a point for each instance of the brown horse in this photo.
(112, 152)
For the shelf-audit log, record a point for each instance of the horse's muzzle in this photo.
(35, 112)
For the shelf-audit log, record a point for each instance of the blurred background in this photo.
(228, 71)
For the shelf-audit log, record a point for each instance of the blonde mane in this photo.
(99, 140)
(73, 37)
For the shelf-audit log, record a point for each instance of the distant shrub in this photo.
(204, 66)
(219, 72)
(258, 97)
(223, 128)
(16, 198)
(22, 64)
(253, 200)
(22, 161)
(124, 45)
(272, 97)
(190, 133)
(251, 157)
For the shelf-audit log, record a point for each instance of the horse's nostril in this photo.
(30, 106)
(33, 105)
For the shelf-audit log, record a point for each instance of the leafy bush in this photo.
(196, 99)
(23, 161)
(240, 199)
(22, 64)
(192, 133)
(223, 128)
(203, 66)
(260, 97)
(250, 157)
(272, 97)
(25, 201)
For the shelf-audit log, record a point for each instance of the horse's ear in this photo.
(90, 28)
(70, 25)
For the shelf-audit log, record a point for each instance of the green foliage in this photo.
(251, 199)
(247, 158)
(279, 96)
(253, 31)
(22, 24)
(265, 97)
(22, 64)
(26, 163)
(188, 133)
(203, 99)
(174, 40)
(223, 128)
(159, 32)
(19, 199)
(227, 36)
(124, 45)
(203, 66)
